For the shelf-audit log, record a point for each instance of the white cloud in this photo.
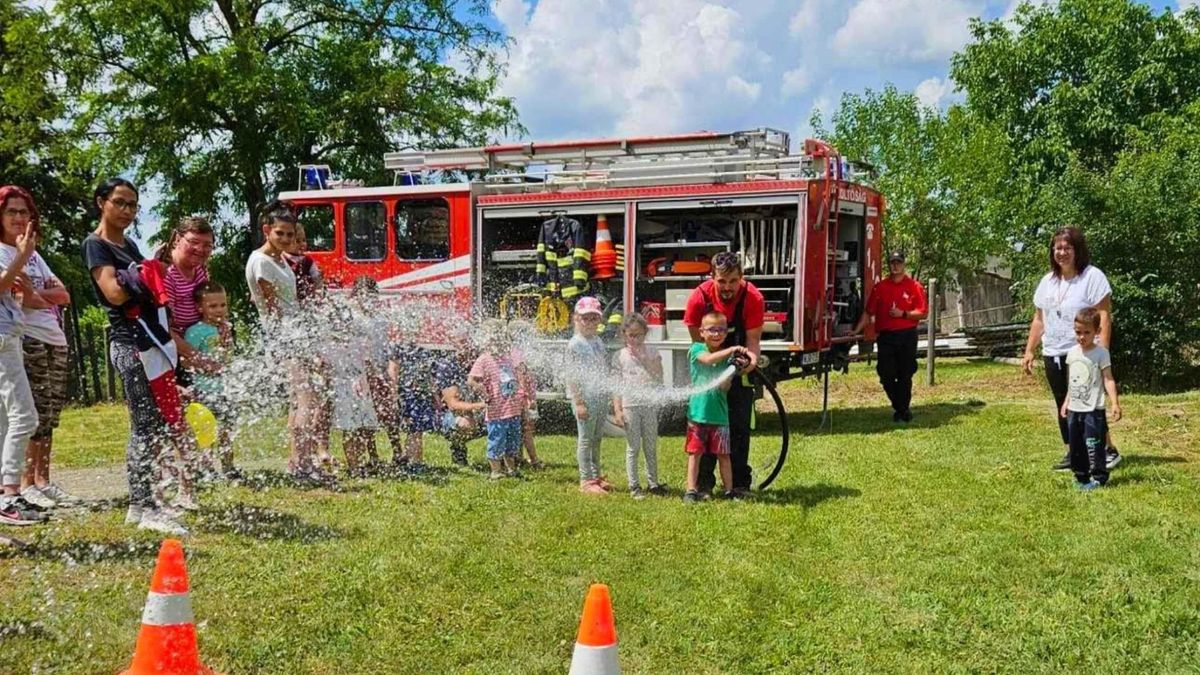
(908, 31)
(805, 19)
(1185, 4)
(796, 81)
(932, 91)
(629, 66)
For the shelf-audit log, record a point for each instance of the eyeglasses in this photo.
(17, 213)
(202, 244)
(715, 330)
(131, 207)
(589, 318)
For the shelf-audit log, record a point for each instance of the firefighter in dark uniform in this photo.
(742, 304)
(897, 304)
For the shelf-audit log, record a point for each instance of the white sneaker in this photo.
(134, 515)
(34, 495)
(163, 523)
(59, 495)
(185, 503)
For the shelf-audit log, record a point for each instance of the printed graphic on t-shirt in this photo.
(508, 379)
(1080, 381)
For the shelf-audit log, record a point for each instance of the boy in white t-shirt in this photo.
(1089, 373)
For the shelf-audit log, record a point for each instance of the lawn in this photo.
(944, 545)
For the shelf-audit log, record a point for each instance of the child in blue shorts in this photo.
(506, 389)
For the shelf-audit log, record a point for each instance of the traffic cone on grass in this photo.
(166, 645)
(596, 644)
(604, 258)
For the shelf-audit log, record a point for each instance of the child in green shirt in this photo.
(708, 409)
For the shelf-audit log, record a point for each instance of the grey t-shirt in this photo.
(1085, 378)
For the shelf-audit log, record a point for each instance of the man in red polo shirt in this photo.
(729, 293)
(897, 304)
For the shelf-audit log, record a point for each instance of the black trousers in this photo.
(1087, 454)
(896, 365)
(1056, 375)
(741, 407)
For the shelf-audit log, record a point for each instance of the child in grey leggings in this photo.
(640, 370)
(587, 375)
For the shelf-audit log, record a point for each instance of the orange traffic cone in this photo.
(166, 645)
(596, 645)
(604, 258)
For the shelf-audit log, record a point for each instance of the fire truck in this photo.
(462, 226)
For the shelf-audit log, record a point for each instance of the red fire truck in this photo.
(807, 230)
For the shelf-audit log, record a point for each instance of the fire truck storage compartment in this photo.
(676, 240)
(848, 259)
(508, 248)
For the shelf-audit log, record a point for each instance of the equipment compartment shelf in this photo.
(687, 244)
(674, 278)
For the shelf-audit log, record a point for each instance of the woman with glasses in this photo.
(44, 345)
(105, 252)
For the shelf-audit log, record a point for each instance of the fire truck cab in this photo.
(807, 230)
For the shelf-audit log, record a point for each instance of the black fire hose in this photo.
(785, 434)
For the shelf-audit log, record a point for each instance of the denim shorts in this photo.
(504, 437)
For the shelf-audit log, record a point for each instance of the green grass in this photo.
(947, 545)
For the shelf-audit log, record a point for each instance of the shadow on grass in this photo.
(1136, 460)
(19, 628)
(86, 552)
(262, 523)
(266, 479)
(805, 496)
(873, 420)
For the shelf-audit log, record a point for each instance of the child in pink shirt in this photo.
(505, 387)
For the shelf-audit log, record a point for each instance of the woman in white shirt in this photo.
(1072, 284)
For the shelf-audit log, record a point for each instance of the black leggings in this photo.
(1056, 375)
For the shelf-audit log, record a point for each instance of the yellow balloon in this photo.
(203, 424)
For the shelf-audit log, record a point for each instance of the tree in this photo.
(930, 165)
(221, 100)
(34, 149)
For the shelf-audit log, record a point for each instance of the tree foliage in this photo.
(1083, 112)
(930, 165)
(221, 100)
(34, 148)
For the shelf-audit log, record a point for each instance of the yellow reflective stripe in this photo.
(551, 255)
(582, 253)
(564, 262)
(579, 275)
(541, 248)
(570, 291)
(541, 269)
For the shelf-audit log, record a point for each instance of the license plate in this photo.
(810, 358)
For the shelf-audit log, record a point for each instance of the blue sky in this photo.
(590, 68)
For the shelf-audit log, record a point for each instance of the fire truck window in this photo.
(366, 231)
(317, 220)
(423, 229)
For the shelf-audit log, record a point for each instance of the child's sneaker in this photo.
(59, 495)
(496, 475)
(731, 495)
(636, 492)
(659, 490)
(691, 497)
(1090, 486)
(162, 522)
(604, 484)
(186, 503)
(133, 515)
(33, 494)
(16, 511)
(592, 487)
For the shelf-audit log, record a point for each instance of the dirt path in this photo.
(109, 482)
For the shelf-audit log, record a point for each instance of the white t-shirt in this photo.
(637, 380)
(40, 324)
(262, 267)
(1061, 299)
(1085, 380)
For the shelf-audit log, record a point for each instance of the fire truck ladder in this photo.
(829, 216)
(688, 158)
